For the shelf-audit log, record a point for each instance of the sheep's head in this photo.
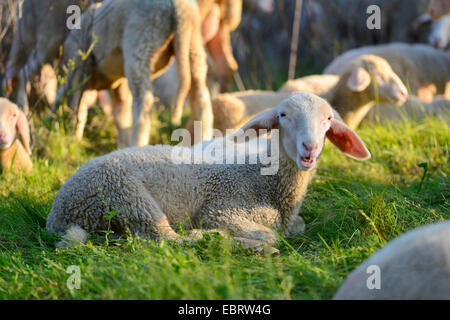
(304, 120)
(12, 122)
(373, 77)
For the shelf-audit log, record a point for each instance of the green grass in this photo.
(351, 210)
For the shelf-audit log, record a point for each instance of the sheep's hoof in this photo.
(255, 246)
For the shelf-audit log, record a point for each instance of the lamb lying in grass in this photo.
(151, 189)
(415, 265)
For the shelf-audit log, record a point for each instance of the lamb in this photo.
(153, 188)
(41, 31)
(13, 123)
(413, 109)
(438, 8)
(352, 94)
(135, 40)
(414, 266)
(424, 69)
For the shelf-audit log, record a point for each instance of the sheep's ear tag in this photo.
(359, 80)
(347, 141)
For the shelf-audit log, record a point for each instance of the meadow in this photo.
(351, 210)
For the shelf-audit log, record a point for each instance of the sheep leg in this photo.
(152, 215)
(200, 99)
(88, 99)
(138, 72)
(181, 47)
(122, 114)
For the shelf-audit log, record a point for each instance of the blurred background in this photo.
(262, 42)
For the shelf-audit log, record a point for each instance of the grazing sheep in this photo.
(41, 31)
(151, 189)
(413, 109)
(424, 69)
(13, 123)
(414, 266)
(141, 47)
(438, 8)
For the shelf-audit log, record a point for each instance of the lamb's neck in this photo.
(292, 185)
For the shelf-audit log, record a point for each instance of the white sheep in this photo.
(14, 124)
(151, 191)
(415, 265)
(424, 69)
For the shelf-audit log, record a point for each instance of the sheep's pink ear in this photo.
(359, 80)
(347, 140)
(23, 130)
(267, 120)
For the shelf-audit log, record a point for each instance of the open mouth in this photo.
(308, 162)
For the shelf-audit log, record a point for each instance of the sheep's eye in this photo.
(329, 118)
(282, 114)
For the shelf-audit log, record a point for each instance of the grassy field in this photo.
(351, 210)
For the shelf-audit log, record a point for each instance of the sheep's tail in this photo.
(74, 235)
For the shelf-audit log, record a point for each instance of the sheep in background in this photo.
(41, 31)
(424, 69)
(416, 265)
(438, 8)
(157, 43)
(413, 109)
(233, 110)
(323, 85)
(440, 33)
(155, 187)
(13, 123)
(352, 94)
